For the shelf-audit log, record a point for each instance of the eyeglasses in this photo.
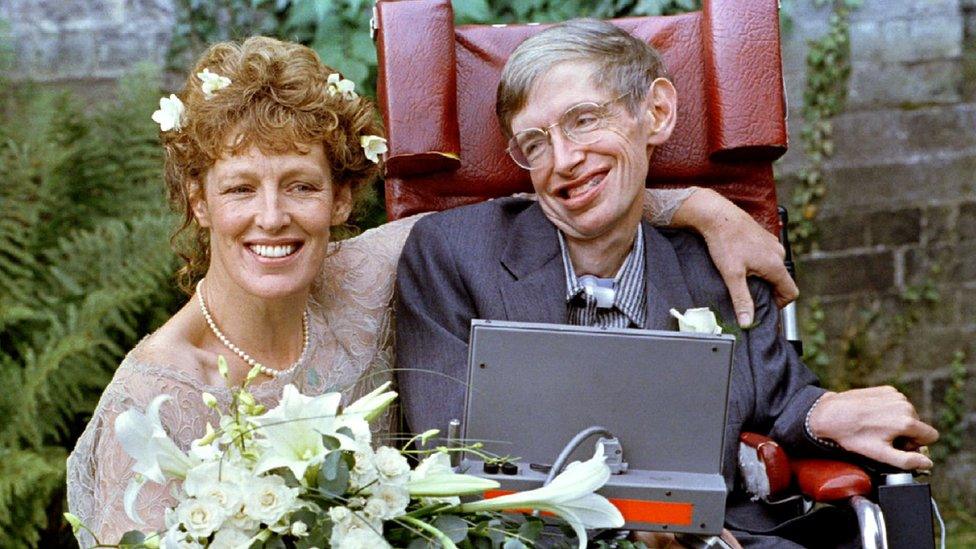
(581, 123)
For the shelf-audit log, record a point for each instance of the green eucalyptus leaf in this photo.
(330, 442)
(512, 543)
(330, 465)
(132, 538)
(453, 527)
(337, 485)
(530, 529)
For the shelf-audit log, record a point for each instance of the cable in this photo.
(571, 446)
(942, 528)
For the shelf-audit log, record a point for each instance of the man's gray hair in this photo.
(625, 64)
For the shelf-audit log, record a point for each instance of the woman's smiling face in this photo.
(269, 218)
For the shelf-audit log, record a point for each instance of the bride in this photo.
(266, 149)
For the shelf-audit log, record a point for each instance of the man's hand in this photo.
(869, 421)
(740, 247)
(661, 540)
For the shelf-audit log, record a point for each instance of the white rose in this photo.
(268, 499)
(391, 465)
(200, 516)
(177, 539)
(360, 538)
(241, 520)
(299, 529)
(356, 502)
(340, 515)
(364, 471)
(395, 496)
(376, 508)
(230, 538)
(700, 320)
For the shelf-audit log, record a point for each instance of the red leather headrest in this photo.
(437, 92)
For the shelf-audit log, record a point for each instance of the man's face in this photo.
(588, 191)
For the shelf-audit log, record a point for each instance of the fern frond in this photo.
(28, 479)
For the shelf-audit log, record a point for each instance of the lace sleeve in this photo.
(353, 300)
(660, 204)
(99, 470)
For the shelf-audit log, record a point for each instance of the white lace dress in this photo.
(350, 350)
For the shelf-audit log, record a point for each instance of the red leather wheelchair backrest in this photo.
(437, 87)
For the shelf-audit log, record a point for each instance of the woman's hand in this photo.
(740, 247)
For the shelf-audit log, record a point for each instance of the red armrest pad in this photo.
(774, 458)
(825, 480)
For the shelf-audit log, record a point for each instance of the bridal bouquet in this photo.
(306, 474)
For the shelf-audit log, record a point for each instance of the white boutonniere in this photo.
(699, 320)
(338, 84)
(373, 146)
(170, 113)
(212, 82)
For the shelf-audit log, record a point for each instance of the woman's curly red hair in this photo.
(279, 101)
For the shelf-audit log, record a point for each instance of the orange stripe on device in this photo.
(638, 510)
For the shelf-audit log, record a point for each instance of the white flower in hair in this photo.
(212, 82)
(338, 84)
(170, 113)
(373, 146)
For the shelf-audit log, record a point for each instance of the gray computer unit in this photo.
(664, 395)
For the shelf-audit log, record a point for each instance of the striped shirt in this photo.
(629, 303)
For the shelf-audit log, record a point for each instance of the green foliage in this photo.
(85, 270)
(828, 71)
(950, 420)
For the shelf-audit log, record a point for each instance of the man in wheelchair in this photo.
(585, 105)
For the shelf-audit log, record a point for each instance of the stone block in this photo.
(841, 232)
(907, 40)
(894, 228)
(925, 180)
(966, 224)
(939, 224)
(847, 274)
(75, 54)
(897, 135)
(930, 349)
(874, 85)
(900, 9)
(967, 307)
(121, 51)
(956, 263)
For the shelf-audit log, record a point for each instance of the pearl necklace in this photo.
(270, 372)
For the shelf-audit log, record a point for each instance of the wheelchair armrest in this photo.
(827, 480)
(773, 459)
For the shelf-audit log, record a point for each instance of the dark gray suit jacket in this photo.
(501, 260)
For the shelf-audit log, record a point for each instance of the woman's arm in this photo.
(740, 247)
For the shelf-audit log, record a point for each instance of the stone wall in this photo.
(86, 41)
(901, 193)
(900, 188)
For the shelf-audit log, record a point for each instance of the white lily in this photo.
(170, 113)
(212, 82)
(373, 147)
(433, 477)
(700, 320)
(371, 405)
(570, 495)
(157, 457)
(293, 431)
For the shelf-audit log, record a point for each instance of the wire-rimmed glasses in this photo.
(581, 123)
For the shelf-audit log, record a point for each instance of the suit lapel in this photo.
(666, 287)
(535, 288)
